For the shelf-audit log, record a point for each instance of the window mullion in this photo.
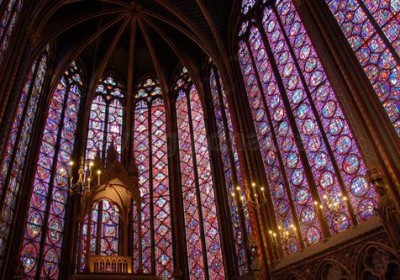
(151, 206)
(379, 31)
(18, 137)
(297, 135)
(278, 151)
(196, 180)
(54, 172)
(105, 131)
(231, 160)
(317, 119)
(5, 30)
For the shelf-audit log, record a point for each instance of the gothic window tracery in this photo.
(232, 171)
(42, 244)
(106, 118)
(202, 229)
(15, 156)
(310, 155)
(150, 153)
(9, 18)
(372, 28)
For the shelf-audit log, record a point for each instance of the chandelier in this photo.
(250, 198)
(84, 182)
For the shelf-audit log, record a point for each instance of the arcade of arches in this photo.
(229, 139)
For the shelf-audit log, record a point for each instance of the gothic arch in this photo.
(332, 270)
(377, 261)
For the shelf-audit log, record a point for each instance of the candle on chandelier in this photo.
(98, 177)
(263, 193)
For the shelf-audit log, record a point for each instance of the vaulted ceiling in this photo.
(133, 38)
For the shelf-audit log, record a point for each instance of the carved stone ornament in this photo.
(33, 35)
(387, 207)
(379, 263)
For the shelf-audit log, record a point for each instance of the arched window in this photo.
(230, 159)
(372, 29)
(13, 162)
(43, 238)
(9, 17)
(106, 118)
(105, 231)
(311, 158)
(107, 219)
(202, 229)
(105, 127)
(150, 153)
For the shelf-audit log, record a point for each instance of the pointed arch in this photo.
(314, 168)
(106, 119)
(150, 152)
(202, 229)
(14, 159)
(232, 171)
(9, 17)
(44, 232)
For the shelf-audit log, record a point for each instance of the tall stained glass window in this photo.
(372, 29)
(310, 155)
(105, 127)
(106, 118)
(230, 159)
(150, 153)
(13, 161)
(9, 16)
(202, 229)
(44, 232)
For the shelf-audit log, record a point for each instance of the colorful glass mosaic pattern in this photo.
(106, 118)
(308, 149)
(109, 230)
(9, 18)
(15, 154)
(150, 153)
(43, 238)
(202, 230)
(372, 29)
(230, 159)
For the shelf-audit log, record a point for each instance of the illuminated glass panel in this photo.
(372, 29)
(106, 118)
(247, 5)
(7, 24)
(142, 156)
(150, 153)
(15, 152)
(202, 230)
(294, 105)
(42, 244)
(161, 197)
(232, 169)
(105, 127)
(280, 173)
(109, 234)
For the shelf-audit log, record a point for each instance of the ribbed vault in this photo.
(133, 38)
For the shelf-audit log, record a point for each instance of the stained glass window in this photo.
(372, 29)
(43, 237)
(150, 153)
(310, 155)
(202, 229)
(106, 118)
(105, 226)
(230, 159)
(15, 153)
(9, 17)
